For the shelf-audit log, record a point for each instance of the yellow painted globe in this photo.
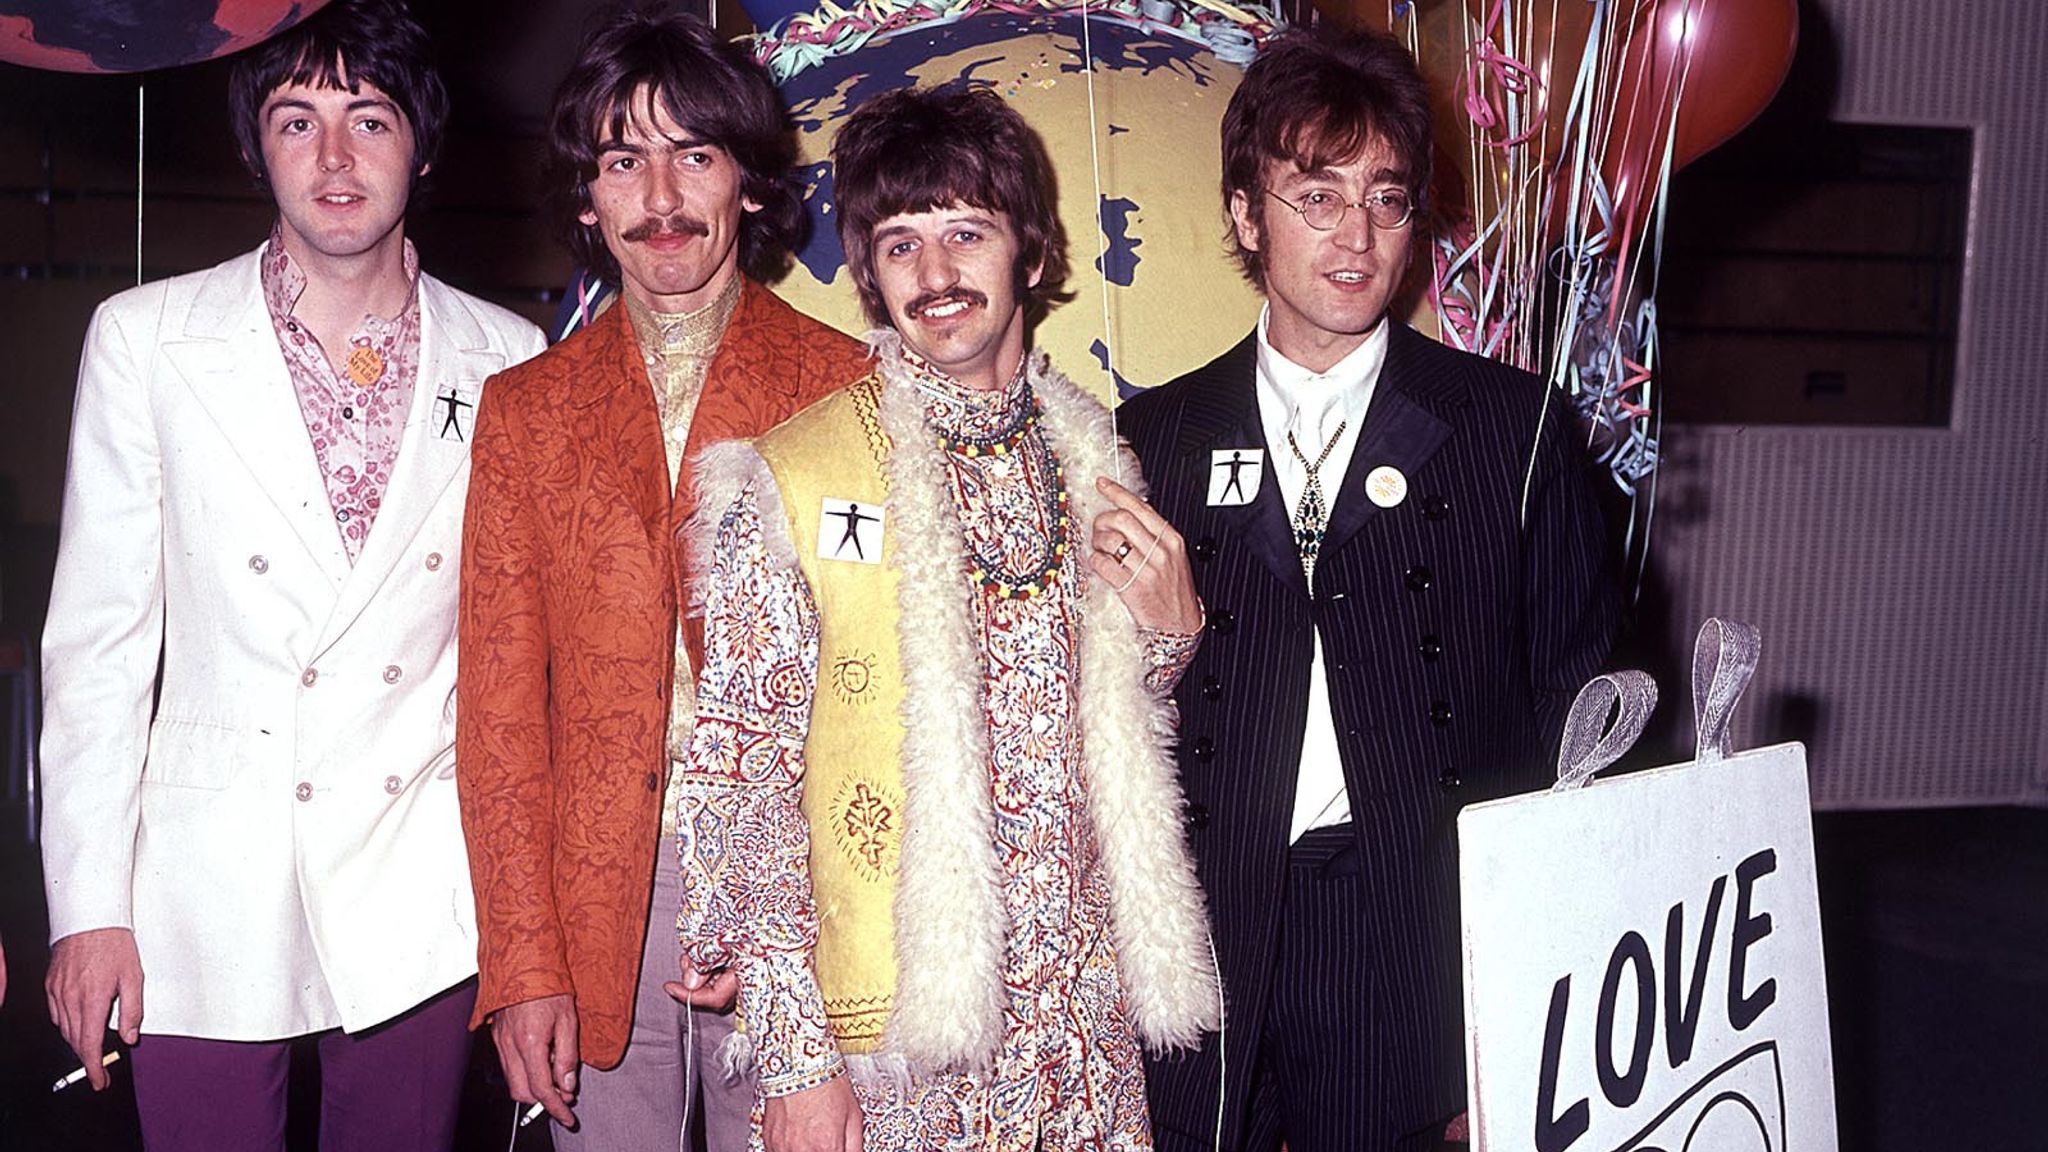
(1155, 291)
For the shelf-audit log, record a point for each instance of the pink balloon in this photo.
(102, 36)
(1719, 61)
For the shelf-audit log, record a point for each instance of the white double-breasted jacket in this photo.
(248, 749)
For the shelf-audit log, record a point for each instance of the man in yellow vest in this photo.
(931, 782)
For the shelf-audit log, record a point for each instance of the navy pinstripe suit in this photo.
(1454, 638)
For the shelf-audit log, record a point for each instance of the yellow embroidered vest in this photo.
(853, 785)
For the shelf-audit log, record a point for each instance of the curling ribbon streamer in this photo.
(1589, 744)
(1513, 77)
(1723, 660)
(806, 39)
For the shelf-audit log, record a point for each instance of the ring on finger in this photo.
(1123, 550)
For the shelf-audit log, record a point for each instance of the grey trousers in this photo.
(644, 1104)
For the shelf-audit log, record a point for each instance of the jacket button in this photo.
(1435, 507)
(1212, 688)
(392, 673)
(1418, 578)
(393, 785)
(258, 565)
(1204, 748)
(1430, 648)
(1205, 548)
(1196, 817)
(1440, 713)
(653, 782)
(304, 791)
(1448, 779)
(309, 676)
(1221, 622)
(433, 561)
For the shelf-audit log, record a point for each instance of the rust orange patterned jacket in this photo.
(570, 582)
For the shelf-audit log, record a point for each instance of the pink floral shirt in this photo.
(355, 401)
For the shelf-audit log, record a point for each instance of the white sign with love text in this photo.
(1643, 967)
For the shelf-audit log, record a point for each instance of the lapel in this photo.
(1402, 429)
(736, 382)
(228, 356)
(615, 401)
(455, 359)
(1222, 411)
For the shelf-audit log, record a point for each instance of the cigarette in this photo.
(64, 1082)
(532, 1114)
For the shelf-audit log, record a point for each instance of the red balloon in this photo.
(1718, 61)
(126, 36)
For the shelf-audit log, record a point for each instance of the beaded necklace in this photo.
(1041, 575)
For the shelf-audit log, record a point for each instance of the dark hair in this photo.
(913, 150)
(1316, 99)
(713, 89)
(344, 45)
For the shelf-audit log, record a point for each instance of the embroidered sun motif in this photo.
(852, 675)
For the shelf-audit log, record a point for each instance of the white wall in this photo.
(1901, 575)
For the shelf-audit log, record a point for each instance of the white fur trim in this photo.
(949, 920)
(1134, 799)
(883, 1070)
(948, 905)
(722, 474)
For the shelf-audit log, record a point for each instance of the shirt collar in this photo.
(284, 281)
(1346, 388)
(975, 413)
(693, 333)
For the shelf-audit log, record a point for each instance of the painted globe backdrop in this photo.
(1175, 299)
(137, 35)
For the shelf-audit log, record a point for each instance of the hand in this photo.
(537, 1049)
(1144, 559)
(715, 990)
(89, 971)
(825, 1118)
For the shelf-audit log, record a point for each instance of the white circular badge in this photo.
(1385, 486)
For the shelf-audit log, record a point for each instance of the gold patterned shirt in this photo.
(677, 348)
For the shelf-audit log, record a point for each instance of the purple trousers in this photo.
(392, 1088)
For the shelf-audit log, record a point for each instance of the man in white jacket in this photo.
(250, 659)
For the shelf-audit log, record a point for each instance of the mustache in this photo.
(654, 226)
(917, 307)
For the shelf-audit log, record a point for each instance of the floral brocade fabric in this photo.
(1068, 1072)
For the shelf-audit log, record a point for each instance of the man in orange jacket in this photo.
(577, 665)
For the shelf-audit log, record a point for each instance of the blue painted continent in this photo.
(1119, 260)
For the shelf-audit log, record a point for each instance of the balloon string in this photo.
(138, 183)
(1101, 239)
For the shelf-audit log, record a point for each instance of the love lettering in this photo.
(1631, 968)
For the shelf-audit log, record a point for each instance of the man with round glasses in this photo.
(1401, 608)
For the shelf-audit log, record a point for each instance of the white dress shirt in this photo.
(1312, 404)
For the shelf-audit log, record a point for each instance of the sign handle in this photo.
(1589, 743)
(1723, 660)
